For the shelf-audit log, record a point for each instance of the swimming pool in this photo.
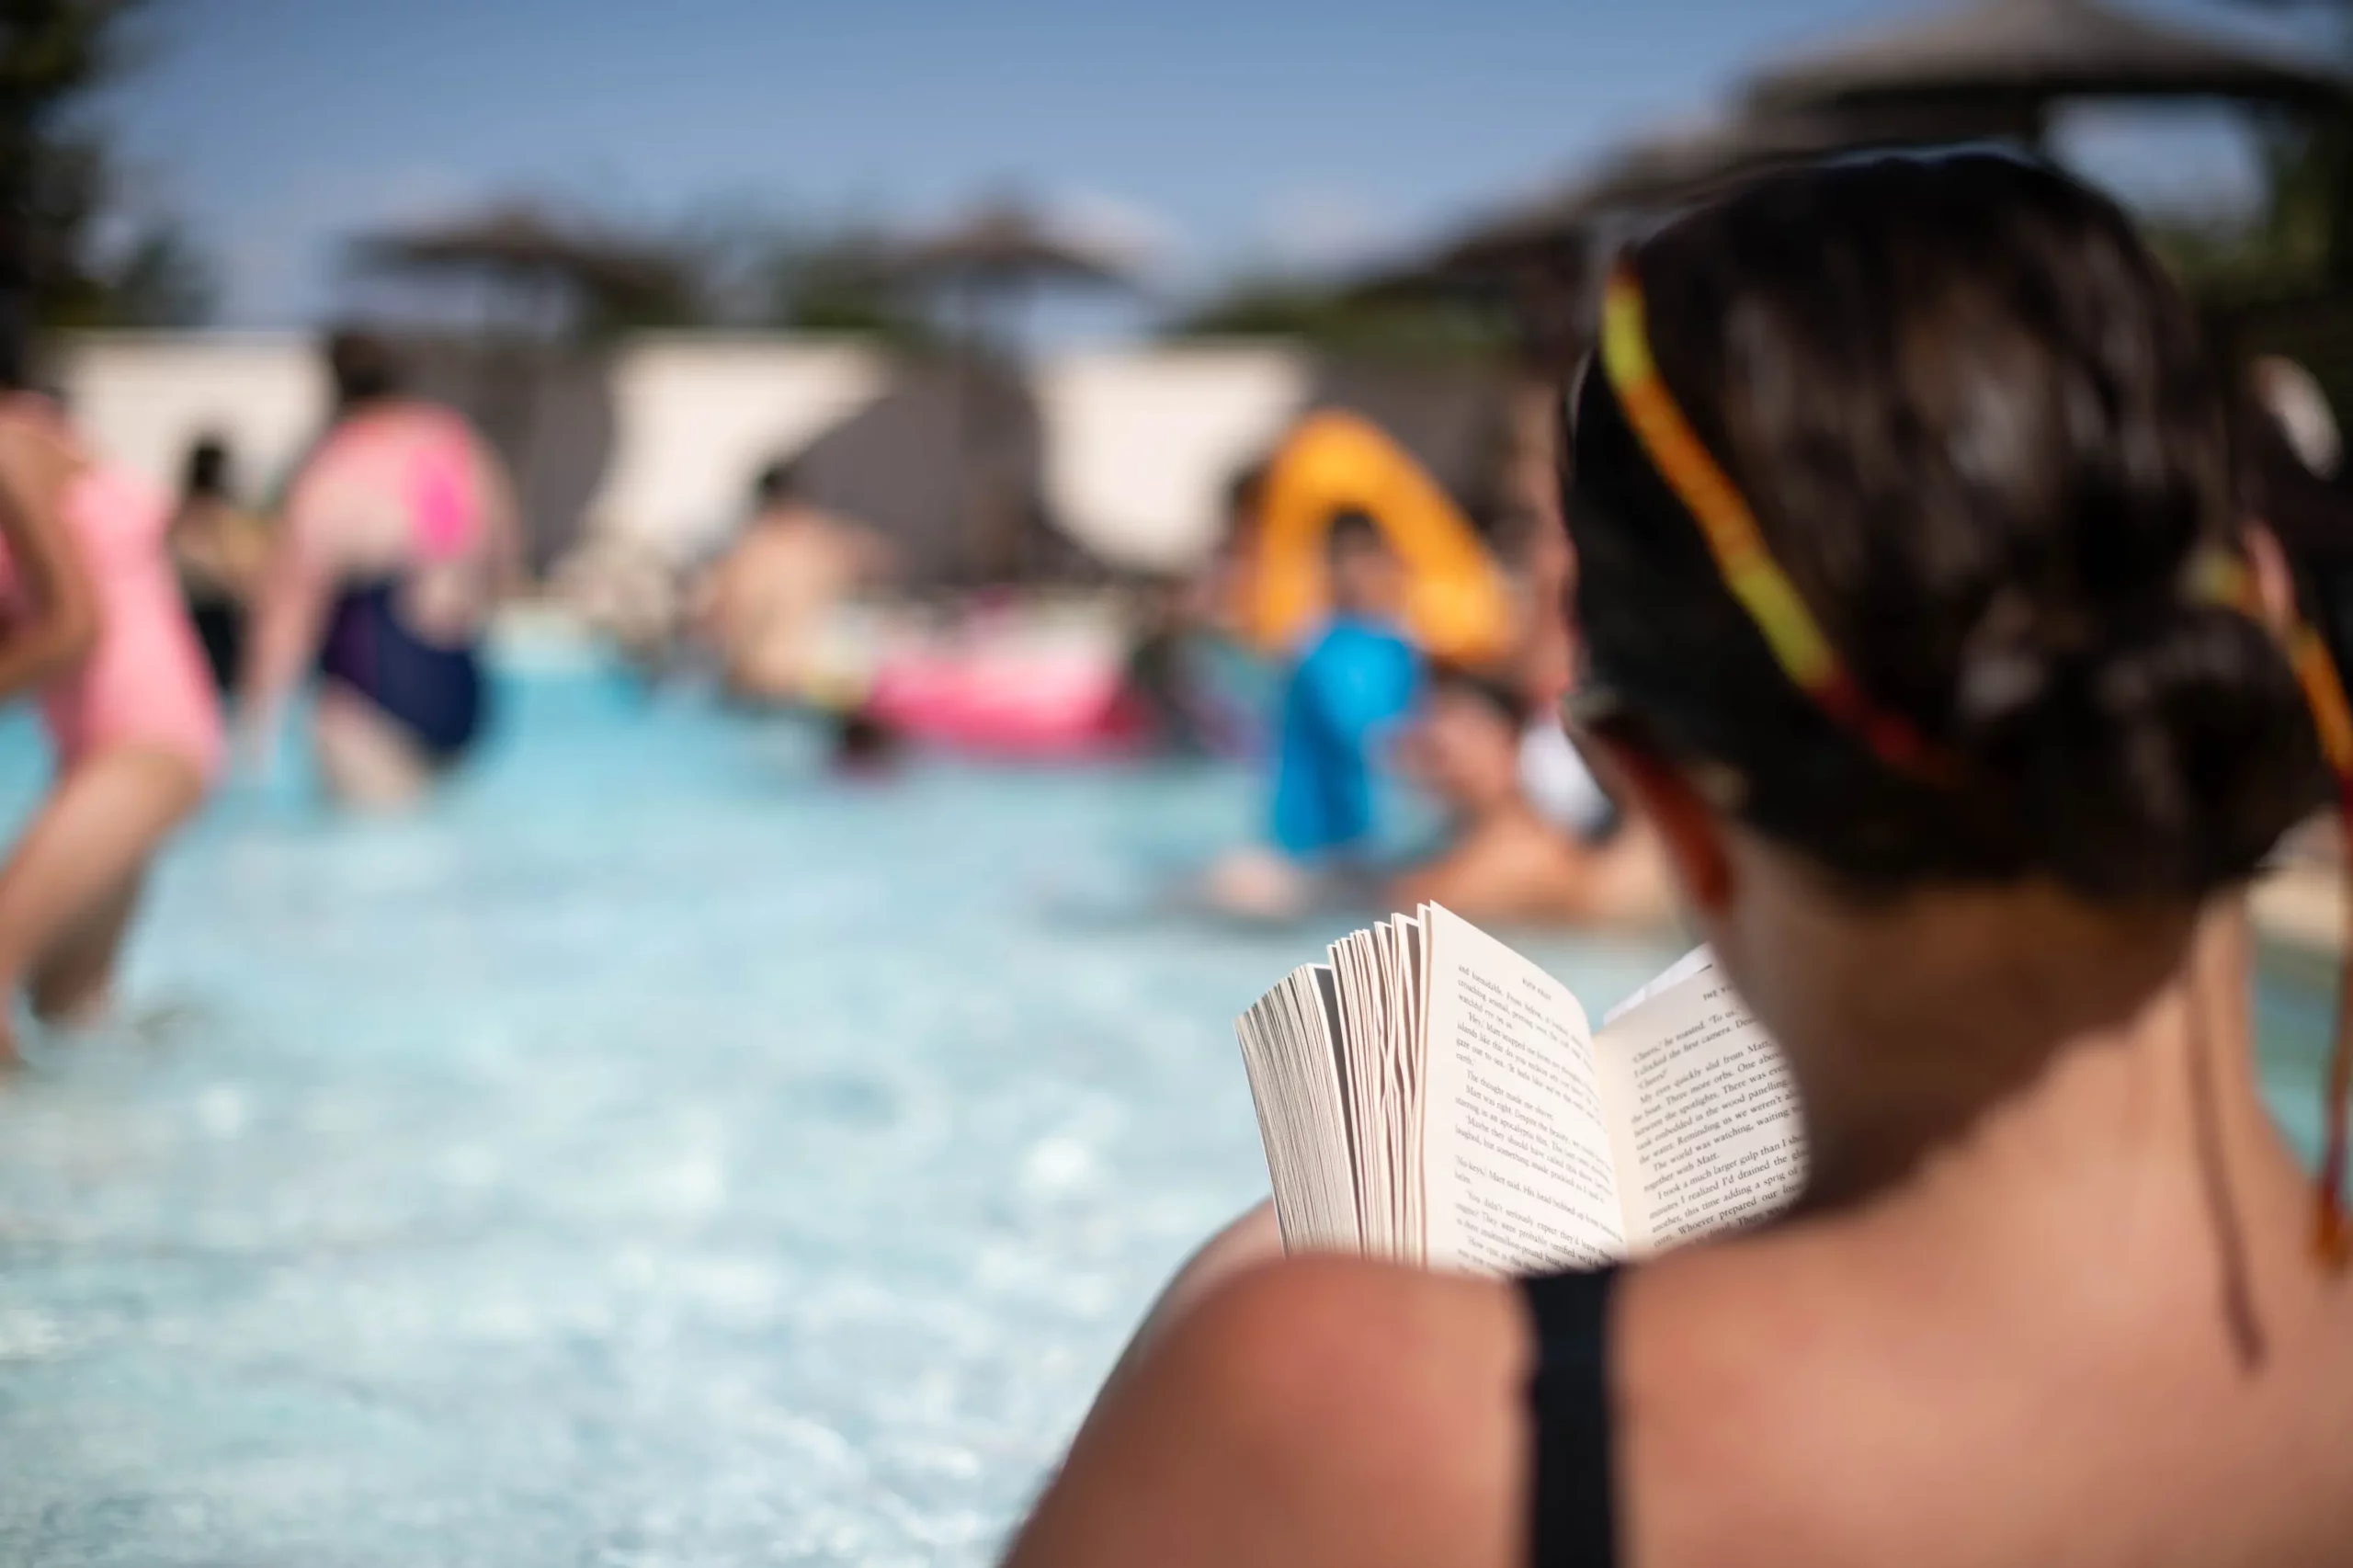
(655, 1153)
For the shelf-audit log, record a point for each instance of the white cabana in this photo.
(142, 398)
(696, 416)
(1141, 443)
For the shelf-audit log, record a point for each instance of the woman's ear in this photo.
(2275, 583)
(1686, 823)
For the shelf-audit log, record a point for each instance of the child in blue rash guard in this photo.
(1357, 677)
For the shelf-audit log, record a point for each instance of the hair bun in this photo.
(2162, 754)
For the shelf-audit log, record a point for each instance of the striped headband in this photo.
(1811, 664)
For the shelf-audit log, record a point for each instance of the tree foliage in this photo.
(837, 281)
(2291, 242)
(1341, 319)
(2298, 240)
(64, 231)
(757, 267)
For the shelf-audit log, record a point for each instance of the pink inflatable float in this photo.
(1007, 702)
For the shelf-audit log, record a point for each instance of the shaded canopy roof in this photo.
(1685, 162)
(1677, 166)
(1006, 241)
(1987, 70)
(2036, 49)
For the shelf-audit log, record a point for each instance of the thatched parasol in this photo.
(555, 284)
(988, 263)
(1681, 163)
(2033, 52)
(1987, 71)
(1006, 243)
(525, 248)
(1542, 246)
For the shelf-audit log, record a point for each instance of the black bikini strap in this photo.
(1572, 1517)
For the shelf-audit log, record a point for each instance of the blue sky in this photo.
(1229, 133)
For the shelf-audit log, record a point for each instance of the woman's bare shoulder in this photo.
(1757, 1383)
(1754, 1380)
(1311, 1411)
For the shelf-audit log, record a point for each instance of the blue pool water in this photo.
(655, 1153)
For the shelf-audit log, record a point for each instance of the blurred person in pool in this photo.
(398, 541)
(1354, 681)
(1554, 775)
(94, 624)
(1161, 682)
(219, 551)
(1504, 860)
(769, 608)
(1924, 613)
(1535, 837)
(1227, 580)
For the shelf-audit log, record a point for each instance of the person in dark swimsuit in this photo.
(434, 691)
(1923, 614)
(219, 551)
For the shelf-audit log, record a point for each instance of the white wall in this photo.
(696, 416)
(1141, 443)
(140, 398)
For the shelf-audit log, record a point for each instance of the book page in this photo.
(1411, 1056)
(1361, 1023)
(1703, 1114)
(1667, 979)
(1394, 1117)
(1290, 1052)
(1516, 1166)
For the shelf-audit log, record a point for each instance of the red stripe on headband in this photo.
(1746, 566)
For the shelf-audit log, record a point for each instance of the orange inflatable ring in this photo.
(1457, 605)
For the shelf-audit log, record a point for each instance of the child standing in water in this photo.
(1356, 679)
(93, 623)
(768, 605)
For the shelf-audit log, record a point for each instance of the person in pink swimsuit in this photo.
(398, 540)
(91, 619)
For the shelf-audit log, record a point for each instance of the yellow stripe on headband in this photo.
(2219, 577)
(1716, 505)
(2325, 694)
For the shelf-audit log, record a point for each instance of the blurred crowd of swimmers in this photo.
(1391, 639)
(132, 618)
(1387, 636)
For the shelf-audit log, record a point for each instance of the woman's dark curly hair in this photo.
(1982, 434)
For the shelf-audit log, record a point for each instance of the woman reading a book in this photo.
(1923, 617)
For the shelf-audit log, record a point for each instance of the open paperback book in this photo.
(1431, 1097)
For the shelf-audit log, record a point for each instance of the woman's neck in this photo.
(1925, 1021)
